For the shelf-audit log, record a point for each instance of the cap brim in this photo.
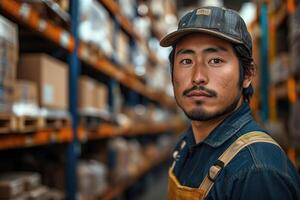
(173, 37)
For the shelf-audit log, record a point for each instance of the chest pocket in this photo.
(176, 191)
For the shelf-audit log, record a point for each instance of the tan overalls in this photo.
(176, 191)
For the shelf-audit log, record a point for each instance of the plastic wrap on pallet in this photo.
(13, 184)
(8, 61)
(125, 159)
(295, 41)
(139, 60)
(280, 69)
(295, 61)
(92, 179)
(96, 26)
(51, 10)
(128, 8)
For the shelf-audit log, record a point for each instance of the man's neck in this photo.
(202, 129)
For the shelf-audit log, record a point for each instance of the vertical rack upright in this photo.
(73, 148)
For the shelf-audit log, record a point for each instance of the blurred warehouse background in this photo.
(86, 101)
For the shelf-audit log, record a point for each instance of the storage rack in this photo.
(268, 21)
(78, 51)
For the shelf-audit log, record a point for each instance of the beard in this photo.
(200, 114)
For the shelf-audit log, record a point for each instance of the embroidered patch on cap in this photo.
(203, 11)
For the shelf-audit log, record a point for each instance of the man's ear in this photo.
(249, 75)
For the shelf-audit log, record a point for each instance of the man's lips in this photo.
(198, 93)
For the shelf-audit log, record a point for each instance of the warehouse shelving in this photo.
(125, 23)
(64, 135)
(271, 16)
(26, 16)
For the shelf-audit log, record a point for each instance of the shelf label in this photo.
(24, 11)
(64, 39)
(42, 25)
(48, 93)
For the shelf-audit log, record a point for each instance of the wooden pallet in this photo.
(90, 122)
(55, 123)
(8, 123)
(29, 123)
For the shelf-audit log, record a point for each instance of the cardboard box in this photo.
(11, 185)
(25, 92)
(101, 96)
(51, 77)
(87, 88)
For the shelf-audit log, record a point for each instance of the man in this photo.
(224, 154)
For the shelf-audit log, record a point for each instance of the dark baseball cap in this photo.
(223, 23)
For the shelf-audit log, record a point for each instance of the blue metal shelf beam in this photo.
(73, 148)
(264, 63)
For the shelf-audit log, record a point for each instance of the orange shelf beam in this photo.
(109, 131)
(43, 137)
(24, 14)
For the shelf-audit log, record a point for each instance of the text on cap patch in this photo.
(203, 11)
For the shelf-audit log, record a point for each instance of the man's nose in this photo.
(200, 74)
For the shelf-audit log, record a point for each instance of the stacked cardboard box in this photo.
(92, 95)
(21, 185)
(51, 77)
(26, 186)
(8, 62)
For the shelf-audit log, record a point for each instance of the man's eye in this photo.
(215, 61)
(186, 61)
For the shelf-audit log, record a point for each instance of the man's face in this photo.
(206, 77)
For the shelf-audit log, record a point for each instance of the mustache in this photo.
(212, 93)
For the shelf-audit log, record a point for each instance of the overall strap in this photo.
(228, 155)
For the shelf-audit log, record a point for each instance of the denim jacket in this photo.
(259, 171)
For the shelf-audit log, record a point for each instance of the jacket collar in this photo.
(225, 130)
